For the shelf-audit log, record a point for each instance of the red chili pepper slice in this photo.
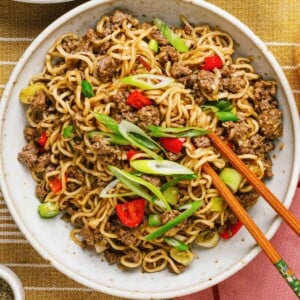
(231, 230)
(173, 145)
(130, 153)
(42, 140)
(144, 63)
(212, 62)
(131, 213)
(137, 100)
(55, 185)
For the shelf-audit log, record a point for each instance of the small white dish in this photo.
(13, 281)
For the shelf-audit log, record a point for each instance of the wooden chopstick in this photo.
(257, 234)
(258, 185)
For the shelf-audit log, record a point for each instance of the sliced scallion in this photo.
(159, 167)
(48, 210)
(175, 180)
(176, 132)
(190, 208)
(153, 45)
(231, 178)
(68, 131)
(170, 36)
(182, 257)
(154, 220)
(139, 186)
(139, 80)
(178, 245)
(216, 204)
(87, 89)
(171, 194)
(225, 116)
(208, 239)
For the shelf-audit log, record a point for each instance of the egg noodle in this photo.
(82, 170)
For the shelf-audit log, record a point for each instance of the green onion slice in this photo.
(139, 186)
(170, 36)
(178, 245)
(127, 129)
(48, 210)
(175, 180)
(216, 204)
(87, 89)
(208, 239)
(190, 208)
(176, 132)
(231, 178)
(153, 45)
(182, 257)
(171, 194)
(68, 131)
(144, 141)
(116, 139)
(159, 167)
(154, 220)
(139, 80)
(108, 122)
(225, 116)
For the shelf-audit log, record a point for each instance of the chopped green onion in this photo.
(176, 132)
(108, 122)
(116, 139)
(127, 129)
(136, 80)
(68, 131)
(154, 220)
(48, 210)
(178, 245)
(104, 193)
(87, 89)
(222, 104)
(231, 178)
(190, 209)
(216, 204)
(177, 179)
(182, 257)
(159, 167)
(153, 45)
(208, 239)
(139, 185)
(225, 116)
(143, 141)
(170, 36)
(171, 194)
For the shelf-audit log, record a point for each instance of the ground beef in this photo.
(29, 155)
(247, 199)
(42, 162)
(148, 115)
(70, 43)
(264, 93)
(76, 173)
(230, 217)
(90, 237)
(236, 131)
(119, 17)
(179, 70)
(168, 216)
(132, 256)
(199, 79)
(112, 256)
(30, 133)
(41, 191)
(233, 84)
(174, 156)
(155, 180)
(104, 47)
(106, 68)
(38, 101)
(270, 122)
(167, 53)
(156, 35)
(201, 141)
(84, 44)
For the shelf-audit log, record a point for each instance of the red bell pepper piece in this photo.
(173, 145)
(144, 63)
(42, 140)
(55, 185)
(212, 62)
(131, 213)
(130, 153)
(137, 100)
(231, 230)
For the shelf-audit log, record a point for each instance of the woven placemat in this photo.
(276, 22)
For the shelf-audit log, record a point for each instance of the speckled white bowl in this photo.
(51, 237)
(13, 281)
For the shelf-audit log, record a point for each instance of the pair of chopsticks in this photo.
(243, 216)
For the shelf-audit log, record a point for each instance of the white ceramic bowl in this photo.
(51, 237)
(13, 281)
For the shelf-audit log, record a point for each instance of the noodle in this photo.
(79, 161)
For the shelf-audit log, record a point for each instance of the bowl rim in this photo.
(189, 289)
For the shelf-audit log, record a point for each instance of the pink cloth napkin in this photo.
(259, 280)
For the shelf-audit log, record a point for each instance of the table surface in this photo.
(276, 22)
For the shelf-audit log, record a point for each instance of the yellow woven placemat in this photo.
(276, 22)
